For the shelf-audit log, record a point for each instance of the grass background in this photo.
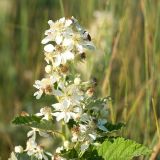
(126, 62)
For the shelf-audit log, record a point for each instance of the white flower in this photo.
(18, 149)
(40, 153)
(32, 133)
(57, 30)
(33, 149)
(46, 85)
(31, 145)
(46, 112)
(72, 93)
(65, 110)
(85, 134)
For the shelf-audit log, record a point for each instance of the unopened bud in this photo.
(90, 92)
(48, 69)
(77, 81)
(23, 113)
(63, 69)
(18, 149)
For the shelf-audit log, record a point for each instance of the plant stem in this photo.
(62, 7)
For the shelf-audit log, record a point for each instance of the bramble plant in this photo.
(85, 131)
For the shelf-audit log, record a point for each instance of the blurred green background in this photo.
(126, 62)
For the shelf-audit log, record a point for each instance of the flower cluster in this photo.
(67, 42)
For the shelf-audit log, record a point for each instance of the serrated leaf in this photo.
(96, 102)
(114, 127)
(19, 120)
(121, 149)
(35, 122)
(90, 154)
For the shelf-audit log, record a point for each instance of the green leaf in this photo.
(121, 149)
(71, 123)
(35, 122)
(90, 102)
(90, 154)
(114, 127)
(20, 120)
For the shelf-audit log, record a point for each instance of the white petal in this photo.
(47, 32)
(80, 48)
(37, 84)
(57, 93)
(67, 42)
(92, 136)
(49, 48)
(58, 39)
(59, 115)
(58, 60)
(67, 117)
(57, 106)
(45, 40)
(39, 114)
(77, 110)
(38, 94)
(66, 103)
(62, 20)
(68, 55)
(68, 23)
(30, 133)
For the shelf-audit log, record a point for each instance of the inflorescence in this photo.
(66, 43)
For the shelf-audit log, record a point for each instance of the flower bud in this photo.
(77, 81)
(63, 69)
(18, 149)
(90, 92)
(48, 69)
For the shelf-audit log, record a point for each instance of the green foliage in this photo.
(111, 149)
(34, 121)
(96, 102)
(120, 149)
(91, 154)
(114, 127)
(21, 120)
